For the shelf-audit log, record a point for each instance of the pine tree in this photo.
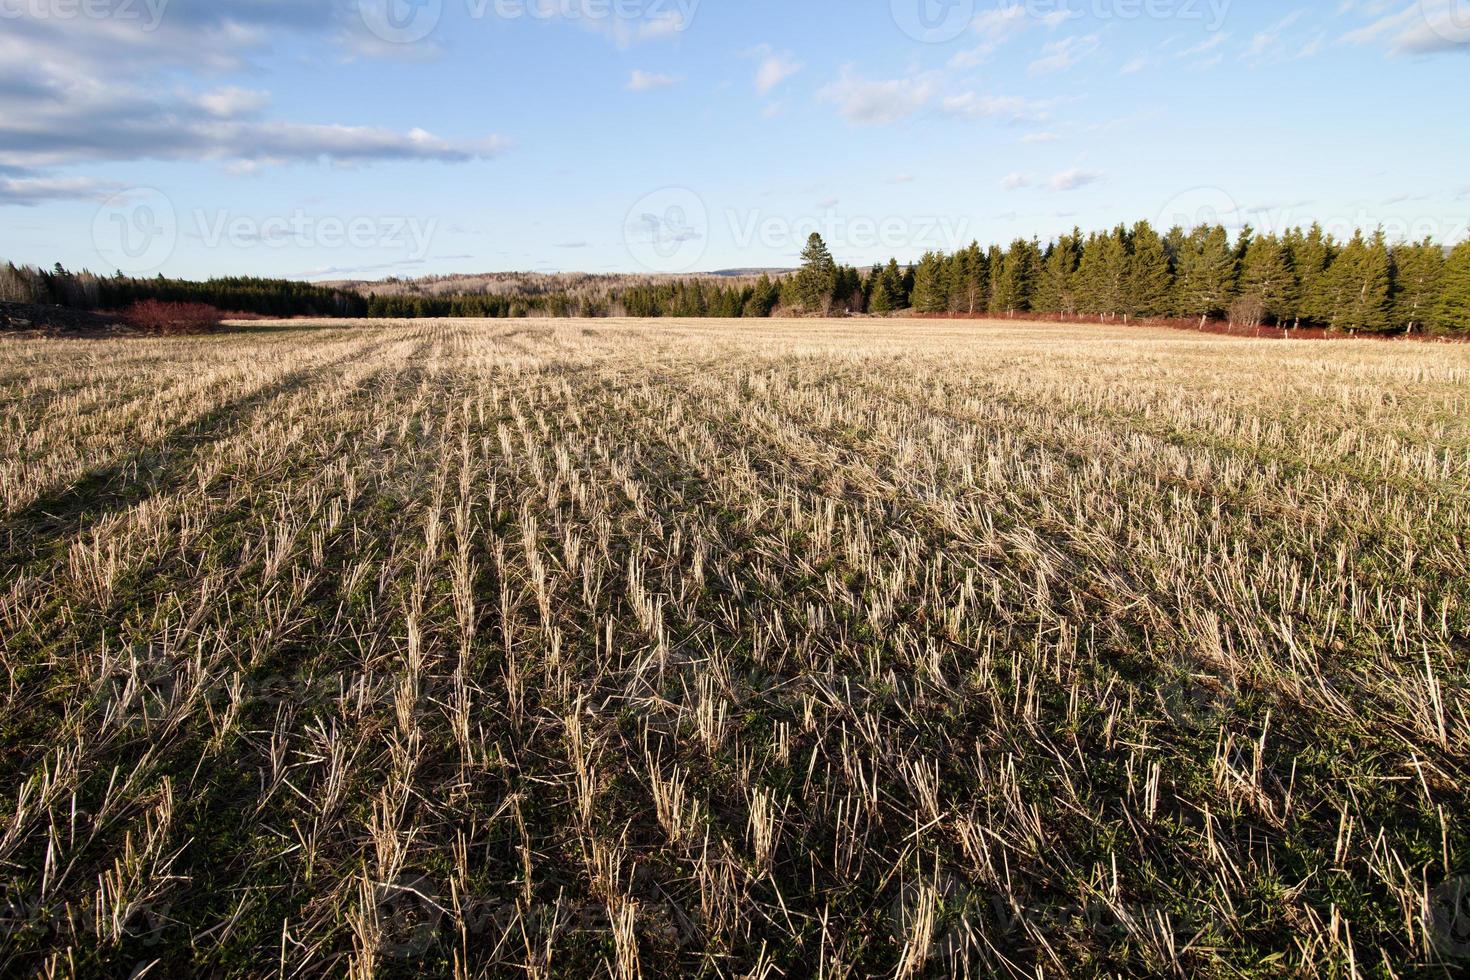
(1359, 285)
(1266, 278)
(1205, 283)
(930, 294)
(880, 296)
(1452, 311)
(1017, 280)
(1418, 269)
(1312, 255)
(893, 282)
(1104, 273)
(817, 280)
(968, 287)
(1150, 280)
(1055, 290)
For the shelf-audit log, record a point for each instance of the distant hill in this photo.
(538, 283)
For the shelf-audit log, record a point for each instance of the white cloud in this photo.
(230, 102)
(1071, 180)
(1014, 182)
(27, 191)
(647, 81)
(1001, 25)
(865, 103)
(1136, 65)
(1425, 27)
(95, 91)
(1063, 54)
(971, 105)
(775, 67)
(1042, 137)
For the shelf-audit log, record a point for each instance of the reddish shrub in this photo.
(154, 316)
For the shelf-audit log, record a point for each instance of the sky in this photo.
(362, 139)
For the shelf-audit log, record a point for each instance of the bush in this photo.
(154, 316)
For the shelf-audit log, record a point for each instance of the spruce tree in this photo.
(1055, 290)
(817, 280)
(1149, 278)
(931, 294)
(1266, 277)
(893, 283)
(1205, 283)
(1017, 279)
(880, 296)
(972, 281)
(1312, 255)
(1359, 286)
(1452, 311)
(1418, 268)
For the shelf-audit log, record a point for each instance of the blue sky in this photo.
(367, 138)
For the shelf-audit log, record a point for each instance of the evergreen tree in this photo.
(931, 294)
(1418, 269)
(972, 285)
(995, 267)
(1266, 278)
(880, 298)
(1359, 285)
(815, 283)
(1205, 281)
(1055, 289)
(1017, 280)
(763, 298)
(1312, 255)
(1452, 311)
(1103, 273)
(1150, 280)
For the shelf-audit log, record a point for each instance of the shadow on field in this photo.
(125, 482)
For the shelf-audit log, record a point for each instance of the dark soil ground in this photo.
(58, 321)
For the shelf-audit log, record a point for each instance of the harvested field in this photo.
(757, 648)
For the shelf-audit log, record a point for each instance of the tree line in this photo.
(1300, 278)
(236, 294)
(1295, 279)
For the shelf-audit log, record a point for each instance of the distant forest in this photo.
(1300, 278)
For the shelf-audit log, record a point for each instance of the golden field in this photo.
(839, 648)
